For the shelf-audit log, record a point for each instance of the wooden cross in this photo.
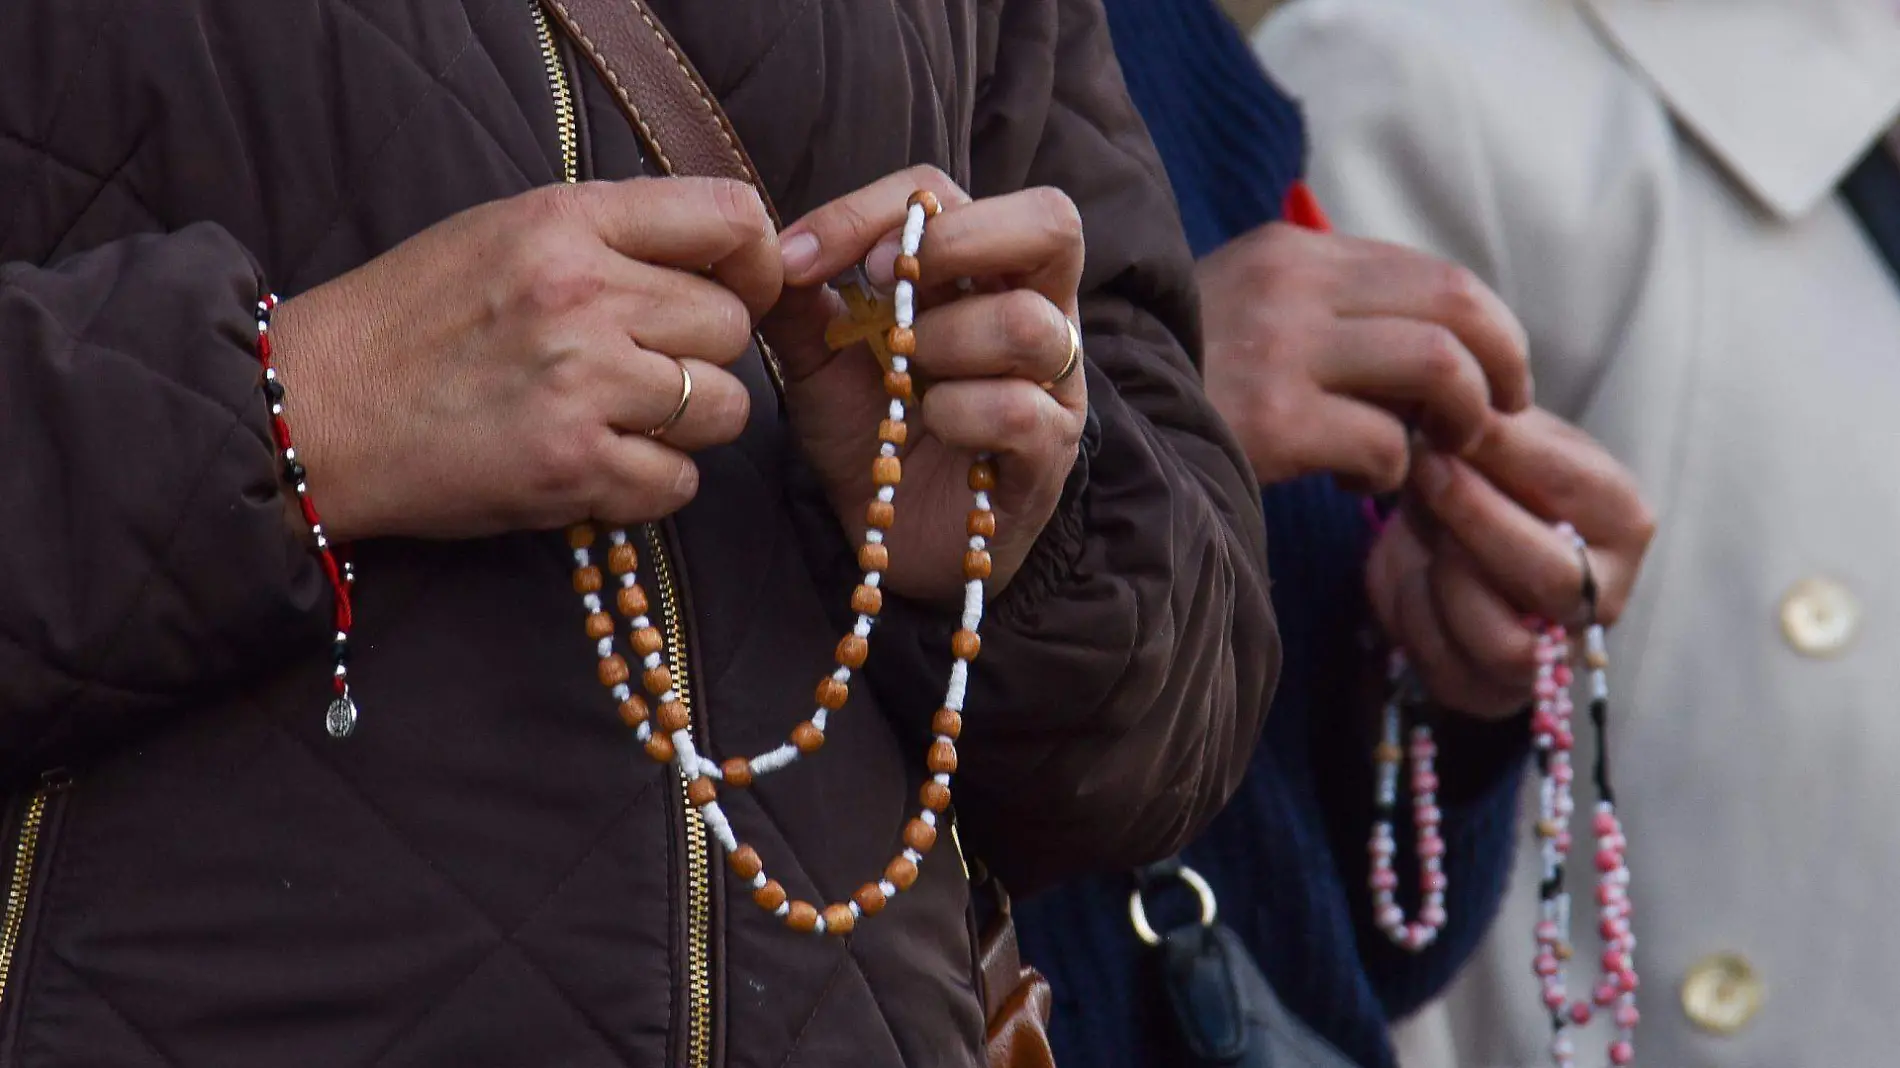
(867, 319)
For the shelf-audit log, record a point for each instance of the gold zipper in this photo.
(563, 95)
(699, 904)
(20, 883)
(698, 852)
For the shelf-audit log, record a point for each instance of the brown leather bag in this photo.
(686, 132)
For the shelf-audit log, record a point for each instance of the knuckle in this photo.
(731, 411)
(1025, 321)
(931, 177)
(739, 205)
(1059, 212)
(728, 325)
(1017, 415)
(560, 461)
(1441, 358)
(1458, 291)
(1387, 460)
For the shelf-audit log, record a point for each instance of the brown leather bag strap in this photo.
(680, 122)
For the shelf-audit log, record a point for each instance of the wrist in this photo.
(309, 345)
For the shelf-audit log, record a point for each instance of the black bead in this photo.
(340, 652)
(274, 390)
(293, 472)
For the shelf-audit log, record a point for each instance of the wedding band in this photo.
(1075, 355)
(686, 394)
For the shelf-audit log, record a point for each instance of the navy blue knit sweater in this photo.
(1287, 858)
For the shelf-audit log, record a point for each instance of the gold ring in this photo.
(1075, 355)
(686, 394)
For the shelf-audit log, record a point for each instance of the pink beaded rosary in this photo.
(1554, 740)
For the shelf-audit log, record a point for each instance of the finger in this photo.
(641, 391)
(1441, 666)
(795, 330)
(1031, 238)
(1533, 565)
(1415, 368)
(824, 243)
(1018, 334)
(693, 224)
(1488, 633)
(1390, 281)
(1025, 427)
(639, 480)
(1366, 447)
(679, 314)
(1561, 473)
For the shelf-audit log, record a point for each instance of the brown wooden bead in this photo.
(943, 758)
(982, 475)
(887, 471)
(900, 872)
(580, 536)
(902, 341)
(832, 694)
(927, 200)
(870, 899)
(934, 796)
(947, 723)
(895, 431)
(660, 748)
(920, 836)
(657, 680)
(587, 579)
(807, 737)
(1386, 753)
(701, 792)
(745, 862)
(873, 557)
(897, 385)
(647, 641)
(633, 711)
(1562, 951)
(613, 670)
(976, 564)
(674, 717)
(839, 920)
(907, 269)
(964, 645)
(981, 524)
(738, 772)
(867, 600)
(1548, 828)
(622, 559)
(852, 651)
(599, 625)
(632, 601)
(803, 918)
(879, 515)
(770, 896)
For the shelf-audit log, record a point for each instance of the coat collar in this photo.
(1787, 94)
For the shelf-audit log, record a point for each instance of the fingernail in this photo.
(1431, 472)
(881, 266)
(800, 251)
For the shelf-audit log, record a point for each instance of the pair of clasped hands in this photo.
(506, 369)
(1397, 371)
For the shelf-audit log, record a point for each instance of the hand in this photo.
(496, 371)
(1474, 550)
(1321, 349)
(986, 355)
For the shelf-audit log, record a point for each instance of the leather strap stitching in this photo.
(613, 81)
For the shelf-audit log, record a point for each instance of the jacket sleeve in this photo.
(144, 552)
(1126, 671)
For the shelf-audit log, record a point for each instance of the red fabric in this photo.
(1301, 208)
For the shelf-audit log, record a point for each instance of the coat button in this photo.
(1819, 617)
(1721, 993)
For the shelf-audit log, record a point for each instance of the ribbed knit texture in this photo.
(1287, 858)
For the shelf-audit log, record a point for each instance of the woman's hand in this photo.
(498, 371)
(986, 355)
(1322, 349)
(1474, 550)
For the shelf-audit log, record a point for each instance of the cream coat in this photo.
(1650, 184)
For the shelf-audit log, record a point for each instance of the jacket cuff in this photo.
(1052, 560)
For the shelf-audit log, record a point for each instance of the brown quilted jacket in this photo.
(489, 872)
